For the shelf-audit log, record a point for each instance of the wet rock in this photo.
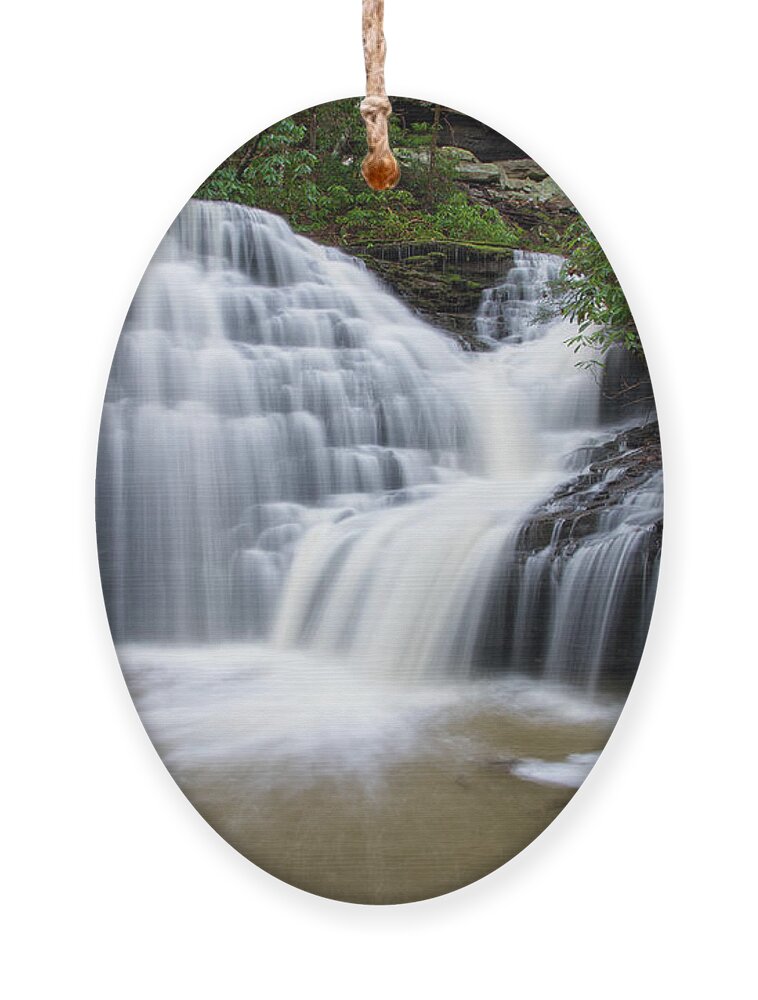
(626, 386)
(616, 468)
(442, 282)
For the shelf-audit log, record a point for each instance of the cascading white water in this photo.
(260, 384)
(289, 456)
(520, 307)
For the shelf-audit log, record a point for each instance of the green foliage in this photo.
(381, 217)
(460, 219)
(419, 136)
(394, 216)
(592, 297)
(274, 173)
(306, 168)
(335, 130)
(224, 185)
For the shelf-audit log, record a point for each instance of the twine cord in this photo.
(380, 168)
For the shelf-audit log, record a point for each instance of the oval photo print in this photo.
(379, 503)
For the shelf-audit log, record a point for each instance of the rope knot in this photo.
(380, 169)
(374, 105)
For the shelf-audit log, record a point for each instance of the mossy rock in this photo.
(477, 173)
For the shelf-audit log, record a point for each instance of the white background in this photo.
(115, 887)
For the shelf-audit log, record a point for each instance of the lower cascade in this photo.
(290, 458)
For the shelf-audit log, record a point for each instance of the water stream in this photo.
(311, 509)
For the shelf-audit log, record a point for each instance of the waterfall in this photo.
(290, 457)
(522, 307)
(261, 384)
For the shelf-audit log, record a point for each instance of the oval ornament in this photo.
(379, 503)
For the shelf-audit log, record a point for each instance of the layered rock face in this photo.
(494, 169)
(613, 470)
(522, 192)
(578, 582)
(442, 282)
(459, 130)
(517, 182)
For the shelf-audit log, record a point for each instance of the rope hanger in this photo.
(379, 168)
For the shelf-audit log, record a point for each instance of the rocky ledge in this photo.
(519, 189)
(457, 129)
(442, 282)
(616, 469)
(522, 192)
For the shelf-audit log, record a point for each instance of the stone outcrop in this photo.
(574, 510)
(475, 172)
(493, 169)
(442, 282)
(457, 129)
(524, 180)
(524, 194)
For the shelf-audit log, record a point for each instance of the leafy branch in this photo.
(591, 296)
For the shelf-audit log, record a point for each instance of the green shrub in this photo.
(459, 219)
(592, 297)
(306, 168)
